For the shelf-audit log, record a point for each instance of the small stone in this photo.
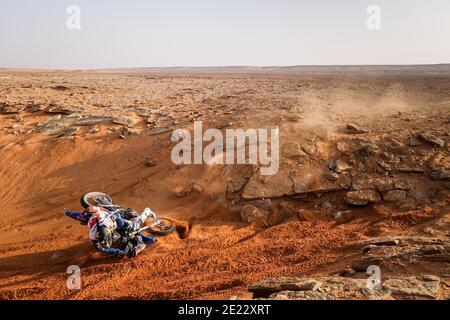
(353, 128)
(440, 175)
(292, 150)
(197, 188)
(126, 121)
(94, 129)
(362, 198)
(342, 147)
(67, 132)
(414, 142)
(432, 249)
(367, 148)
(394, 195)
(384, 166)
(263, 204)
(300, 295)
(13, 109)
(389, 156)
(383, 242)
(367, 248)
(431, 139)
(341, 166)
(92, 120)
(127, 131)
(402, 185)
(58, 109)
(181, 191)
(326, 205)
(309, 149)
(250, 213)
(331, 176)
(343, 216)
(60, 87)
(149, 163)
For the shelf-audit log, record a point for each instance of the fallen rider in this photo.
(110, 228)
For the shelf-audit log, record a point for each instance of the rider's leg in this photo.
(143, 216)
(148, 239)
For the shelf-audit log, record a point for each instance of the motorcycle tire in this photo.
(88, 199)
(165, 228)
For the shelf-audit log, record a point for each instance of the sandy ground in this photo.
(45, 168)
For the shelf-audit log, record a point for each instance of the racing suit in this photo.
(117, 227)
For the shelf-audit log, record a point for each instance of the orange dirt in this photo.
(213, 254)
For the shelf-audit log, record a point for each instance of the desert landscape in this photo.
(364, 180)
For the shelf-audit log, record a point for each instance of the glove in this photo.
(129, 214)
(149, 213)
(130, 250)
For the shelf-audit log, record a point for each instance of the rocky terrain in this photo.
(354, 282)
(364, 180)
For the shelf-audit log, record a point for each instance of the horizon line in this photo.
(222, 67)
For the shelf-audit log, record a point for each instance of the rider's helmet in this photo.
(93, 209)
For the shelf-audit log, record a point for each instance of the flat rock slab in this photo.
(293, 150)
(275, 186)
(329, 288)
(92, 120)
(431, 139)
(290, 181)
(362, 198)
(381, 242)
(413, 287)
(380, 184)
(58, 109)
(337, 288)
(354, 128)
(269, 286)
(394, 196)
(308, 180)
(300, 295)
(125, 121)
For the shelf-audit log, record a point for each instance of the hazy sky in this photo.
(150, 33)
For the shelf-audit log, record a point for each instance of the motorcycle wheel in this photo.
(95, 199)
(164, 228)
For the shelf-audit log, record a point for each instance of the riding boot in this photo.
(148, 239)
(143, 216)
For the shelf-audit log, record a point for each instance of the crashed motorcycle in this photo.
(154, 225)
